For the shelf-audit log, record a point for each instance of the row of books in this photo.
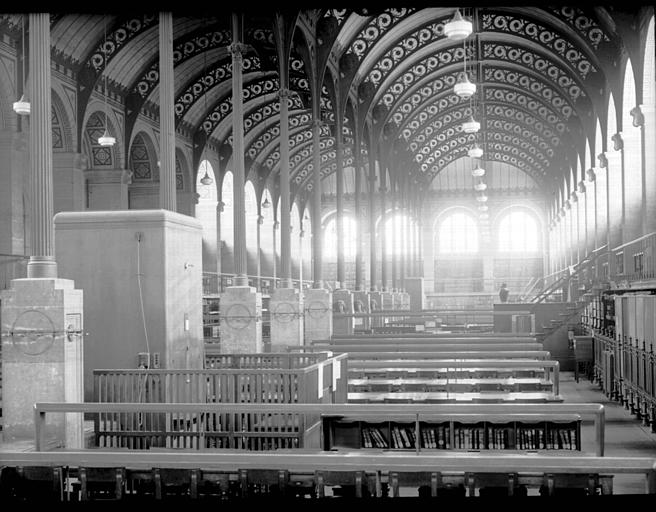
(472, 438)
(553, 439)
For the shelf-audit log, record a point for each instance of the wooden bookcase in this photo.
(551, 433)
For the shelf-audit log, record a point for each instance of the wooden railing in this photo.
(627, 373)
(303, 411)
(282, 360)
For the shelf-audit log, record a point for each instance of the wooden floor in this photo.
(624, 435)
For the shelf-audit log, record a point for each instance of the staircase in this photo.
(570, 316)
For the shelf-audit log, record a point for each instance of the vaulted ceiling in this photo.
(381, 76)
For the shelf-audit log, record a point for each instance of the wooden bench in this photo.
(367, 470)
(385, 354)
(402, 340)
(437, 397)
(449, 385)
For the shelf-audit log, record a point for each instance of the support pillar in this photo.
(376, 304)
(318, 314)
(343, 303)
(359, 228)
(286, 318)
(42, 358)
(372, 218)
(167, 188)
(417, 296)
(361, 304)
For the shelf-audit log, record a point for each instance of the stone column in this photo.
(42, 260)
(358, 213)
(633, 178)
(649, 164)
(258, 233)
(241, 304)
(372, 218)
(393, 243)
(167, 189)
(239, 210)
(614, 215)
(285, 220)
(339, 199)
(317, 231)
(383, 235)
(376, 304)
(576, 235)
(286, 305)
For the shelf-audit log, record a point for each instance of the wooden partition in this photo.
(321, 382)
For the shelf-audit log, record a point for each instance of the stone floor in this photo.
(625, 435)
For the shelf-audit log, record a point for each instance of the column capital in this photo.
(237, 50)
(284, 92)
(618, 143)
(581, 187)
(603, 160)
(568, 203)
(638, 116)
(317, 123)
(276, 225)
(260, 220)
(591, 174)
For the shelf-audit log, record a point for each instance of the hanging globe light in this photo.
(479, 187)
(458, 28)
(207, 179)
(475, 151)
(478, 172)
(22, 106)
(482, 207)
(106, 139)
(482, 198)
(471, 125)
(483, 216)
(464, 88)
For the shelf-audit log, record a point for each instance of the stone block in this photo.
(240, 312)
(286, 317)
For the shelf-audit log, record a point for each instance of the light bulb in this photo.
(478, 172)
(22, 106)
(206, 180)
(482, 208)
(106, 139)
(458, 28)
(464, 88)
(482, 198)
(479, 187)
(475, 151)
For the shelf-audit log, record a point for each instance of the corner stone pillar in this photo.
(318, 314)
(376, 304)
(415, 287)
(361, 304)
(343, 303)
(42, 358)
(108, 189)
(241, 320)
(286, 313)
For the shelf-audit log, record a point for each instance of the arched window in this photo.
(458, 233)
(518, 232)
(330, 238)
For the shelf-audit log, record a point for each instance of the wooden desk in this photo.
(437, 397)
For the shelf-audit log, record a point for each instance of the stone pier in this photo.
(343, 303)
(241, 320)
(286, 313)
(318, 314)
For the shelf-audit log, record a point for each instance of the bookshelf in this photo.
(557, 433)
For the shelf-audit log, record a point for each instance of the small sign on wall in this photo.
(419, 328)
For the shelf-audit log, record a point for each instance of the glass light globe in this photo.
(475, 151)
(471, 126)
(22, 106)
(464, 88)
(484, 216)
(106, 139)
(458, 28)
(482, 198)
(479, 187)
(478, 172)
(482, 208)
